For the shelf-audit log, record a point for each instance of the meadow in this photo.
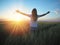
(48, 33)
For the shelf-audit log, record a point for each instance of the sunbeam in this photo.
(17, 28)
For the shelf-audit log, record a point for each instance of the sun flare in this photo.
(17, 23)
(17, 17)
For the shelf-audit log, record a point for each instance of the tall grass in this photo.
(47, 34)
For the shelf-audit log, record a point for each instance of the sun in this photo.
(18, 24)
(16, 17)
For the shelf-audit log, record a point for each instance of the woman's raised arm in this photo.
(44, 14)
(22, 13)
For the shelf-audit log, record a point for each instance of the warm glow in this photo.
(17, 23)
(12, 15)
(17, 17)
(19, 28)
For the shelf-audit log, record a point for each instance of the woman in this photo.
(34, 16)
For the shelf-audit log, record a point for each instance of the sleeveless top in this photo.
(33, 23)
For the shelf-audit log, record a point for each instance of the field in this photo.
(48, 33)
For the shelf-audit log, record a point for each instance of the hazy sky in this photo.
(8, 7)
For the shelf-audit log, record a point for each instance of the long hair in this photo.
(34, 11)
(34, 14)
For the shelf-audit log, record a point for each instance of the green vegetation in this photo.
(47, 34)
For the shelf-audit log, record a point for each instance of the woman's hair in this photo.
(34, 14)
(34, 11)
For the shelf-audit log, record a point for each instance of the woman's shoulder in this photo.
(30, 15)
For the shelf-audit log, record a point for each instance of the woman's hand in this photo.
(17, 11)
(48, 12)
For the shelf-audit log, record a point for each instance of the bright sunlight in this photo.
(18, 23)
(17, 17)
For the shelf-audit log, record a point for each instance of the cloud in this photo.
(57, 11)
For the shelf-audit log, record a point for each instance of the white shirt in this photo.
(33, 23)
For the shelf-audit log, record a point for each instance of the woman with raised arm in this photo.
(33, 16)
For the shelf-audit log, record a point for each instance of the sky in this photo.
(8, 8)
